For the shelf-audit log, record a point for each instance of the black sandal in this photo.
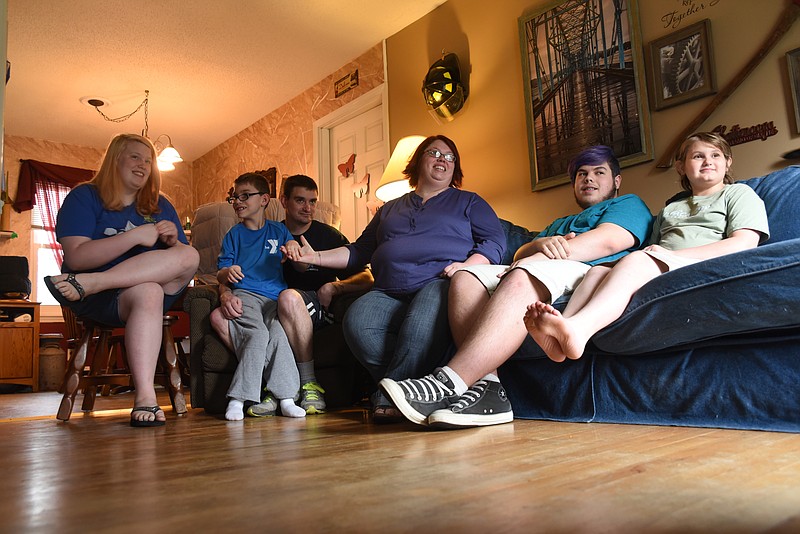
(153, 410)
(59, 296)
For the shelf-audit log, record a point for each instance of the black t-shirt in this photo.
(321, 237)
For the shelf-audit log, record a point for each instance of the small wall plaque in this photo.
(345, 84)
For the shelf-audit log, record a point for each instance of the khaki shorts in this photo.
(560, 277)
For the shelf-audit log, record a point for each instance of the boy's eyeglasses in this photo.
(244, 196)
(449, 158)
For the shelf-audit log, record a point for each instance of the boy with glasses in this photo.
(251, 278)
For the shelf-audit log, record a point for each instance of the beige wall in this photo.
(284, 138)
(491, 130)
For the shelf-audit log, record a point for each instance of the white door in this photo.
(358, 154)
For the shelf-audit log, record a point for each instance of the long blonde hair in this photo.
(108, 182)
(713, 139)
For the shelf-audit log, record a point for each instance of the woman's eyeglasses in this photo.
(244, 196)
(449, 158)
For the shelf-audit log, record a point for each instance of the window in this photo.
(44, 247)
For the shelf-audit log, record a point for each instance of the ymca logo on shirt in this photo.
(274, 244)
(114, 231)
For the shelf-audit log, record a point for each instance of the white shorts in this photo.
(560, 277)
(670, 260)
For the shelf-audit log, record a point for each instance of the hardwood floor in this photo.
(339, 473)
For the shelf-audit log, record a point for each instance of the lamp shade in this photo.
(393, 182)
(170, 154)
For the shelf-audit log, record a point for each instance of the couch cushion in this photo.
(516, 236)
(748, 291)
(780, 192)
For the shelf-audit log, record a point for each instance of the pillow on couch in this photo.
(780, 191)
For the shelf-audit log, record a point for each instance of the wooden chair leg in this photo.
(72, 377)
(99, 366)
(169, 361)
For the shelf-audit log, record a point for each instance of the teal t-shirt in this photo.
(627, 211)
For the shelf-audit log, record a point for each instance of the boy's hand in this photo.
(554, 247)
(230, 305)
(291, 248)
(235, 274)
(304, 253)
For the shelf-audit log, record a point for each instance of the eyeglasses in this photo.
(244, 196)
(449, 158)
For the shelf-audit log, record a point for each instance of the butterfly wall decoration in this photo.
(348, 166)
(361, 187)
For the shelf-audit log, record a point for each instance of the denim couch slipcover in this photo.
(715, 344)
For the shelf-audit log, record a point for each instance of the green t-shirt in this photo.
(700, 220)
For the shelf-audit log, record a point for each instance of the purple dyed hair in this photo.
(593, 156)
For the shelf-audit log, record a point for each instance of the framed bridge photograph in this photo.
(584, 85)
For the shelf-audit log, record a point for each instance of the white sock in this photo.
(458, 383)
(491, 377)
(235, 410)
(290, 409)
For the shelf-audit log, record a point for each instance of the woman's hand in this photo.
(146, 234)
(451, 269)
(167, 232)
(302, 253)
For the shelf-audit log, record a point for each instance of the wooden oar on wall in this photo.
(785, 22)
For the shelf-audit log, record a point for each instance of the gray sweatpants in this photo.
(260, 344)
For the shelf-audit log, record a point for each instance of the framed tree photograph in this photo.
(793, 63)
(681, 66)
(584, 85)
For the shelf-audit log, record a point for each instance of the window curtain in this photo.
(49, 202)
(38, 185)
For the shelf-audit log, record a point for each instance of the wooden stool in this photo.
(167, 372)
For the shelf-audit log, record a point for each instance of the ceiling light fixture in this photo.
(168, 156)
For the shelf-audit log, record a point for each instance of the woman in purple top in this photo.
(414, 243)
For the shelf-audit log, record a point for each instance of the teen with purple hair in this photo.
(487, 302)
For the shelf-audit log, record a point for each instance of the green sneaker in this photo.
(266, 408)
(311, 399)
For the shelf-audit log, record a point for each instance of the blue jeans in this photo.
(400, 336)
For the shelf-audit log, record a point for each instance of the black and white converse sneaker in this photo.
(485, 403)
(416, 398)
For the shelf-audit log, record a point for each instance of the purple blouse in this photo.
(409, 243)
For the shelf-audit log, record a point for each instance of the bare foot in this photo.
(560, 338)
(547, 342)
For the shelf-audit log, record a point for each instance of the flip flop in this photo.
(64, 301)
(153, 410)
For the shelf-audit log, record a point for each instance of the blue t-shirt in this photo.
(627, 211)
(258, 253)
(83, 214)
(409, 243)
